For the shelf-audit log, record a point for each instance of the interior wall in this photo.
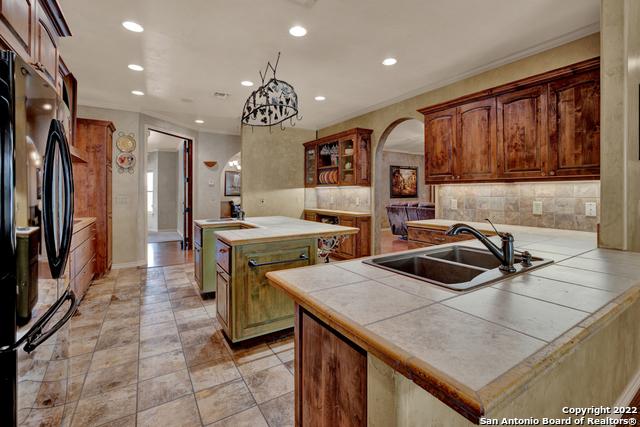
(619, 150)
(383, 186)
(379, 120)
(273, 171)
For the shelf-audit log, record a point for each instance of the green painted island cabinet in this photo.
(247, 305)
(204, 255)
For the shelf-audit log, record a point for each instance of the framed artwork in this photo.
(403, 182)
(231, 183)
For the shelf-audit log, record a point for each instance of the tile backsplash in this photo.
(357, 199)
(563, 203)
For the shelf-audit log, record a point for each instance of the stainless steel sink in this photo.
(455, 267)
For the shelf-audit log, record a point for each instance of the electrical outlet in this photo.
(211, 183)
(537, 207)
(357, 201)
(590, 209)
(454, 204)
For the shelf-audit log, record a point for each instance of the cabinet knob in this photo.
(552, 173)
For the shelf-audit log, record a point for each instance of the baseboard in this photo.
(166, 230)
(629, 392)
(133, 264)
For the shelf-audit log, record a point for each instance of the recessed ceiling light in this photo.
(198, 121)
(47, 107)
(319, 98)
(390, 61)
(137, 92)
(298, 31)
(133, 26)
(246, 83)
(135, 67)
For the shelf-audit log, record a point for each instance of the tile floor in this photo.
(145, 349)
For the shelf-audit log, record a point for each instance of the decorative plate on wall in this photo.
(125, 162)
(126, 143)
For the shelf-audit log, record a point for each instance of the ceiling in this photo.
(407, 137)
(162, 142)
(191, 49)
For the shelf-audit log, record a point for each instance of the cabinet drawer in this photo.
(82, 235)
(83, 279)
(223, 257)
(83, 253)
(434, 237)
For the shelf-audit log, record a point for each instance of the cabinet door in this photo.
(310, 165)
(347, 248)
(574, 122)
(475, 148)
(522, 133)
(331, 376)
(363, 160)
(18, 16)
(46, 48)
(222, 299)
(197, 261)
(364, 237)
(347, 162)
(440, 140)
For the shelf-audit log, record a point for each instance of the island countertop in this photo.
(474, 350)
(273, 229)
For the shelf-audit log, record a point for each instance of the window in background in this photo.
(150, 193)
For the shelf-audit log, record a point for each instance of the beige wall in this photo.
(273, 171)
(380, 120)
(620, 167)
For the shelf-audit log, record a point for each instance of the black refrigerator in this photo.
(35, 176)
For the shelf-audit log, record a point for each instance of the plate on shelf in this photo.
(126, 143)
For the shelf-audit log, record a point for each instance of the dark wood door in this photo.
(348, 246)
(18, 15)
(440, 141)
(522, 133)
(331, 377)
(574, 124)
(475, 147)
(187, 216)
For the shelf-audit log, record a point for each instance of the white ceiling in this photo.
(192, 48)
(162, 142)
(407, 137)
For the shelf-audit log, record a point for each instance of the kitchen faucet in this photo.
(505, 255)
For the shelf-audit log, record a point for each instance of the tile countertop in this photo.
(273, 229)
(472, 350)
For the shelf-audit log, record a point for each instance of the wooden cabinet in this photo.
(17, 19)
(82, 259)
(248, 306)
(419, 237)
(207, 251)
(354, 245)
(339, 160)
(574, 118)
(46, 47)
(544, 127)
(92, 195)
(331, 376)
(440, 133)
(522, 136)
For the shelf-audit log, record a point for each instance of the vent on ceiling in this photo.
(221, 95)
(305, 3)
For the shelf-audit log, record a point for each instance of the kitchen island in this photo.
(377, 348)
(243, 252)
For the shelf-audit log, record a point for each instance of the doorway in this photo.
(169, 199)
(399, 182)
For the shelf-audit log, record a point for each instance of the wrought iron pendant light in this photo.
(272, 103)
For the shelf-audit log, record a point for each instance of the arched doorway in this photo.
(401, 146)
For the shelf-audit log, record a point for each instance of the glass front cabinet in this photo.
(339, 160)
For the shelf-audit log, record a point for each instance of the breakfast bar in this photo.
(561, 335)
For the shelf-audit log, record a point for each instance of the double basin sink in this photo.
(459, 268)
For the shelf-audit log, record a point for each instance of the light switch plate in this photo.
(590, 209)
(537, 207)
(454, 204)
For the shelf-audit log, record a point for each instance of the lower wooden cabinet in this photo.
(419, 237)
(205, 256)
(82, 259)
(355, 245)
(331, 376)
(247, 304)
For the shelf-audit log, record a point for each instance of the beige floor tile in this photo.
(105, 407)
(114, 356)
(52, 393)
(163, 389)
(196, 322)
(103, 380)
(156, 317)
(250, 418)
(186, 303)
(190, 312)
(205, 352)
(254, 366)
(236, 398)
(179, 293)
(280, 411)
(161, 344)
(282, 344)
(213, 373)
(270, 383)
(74, 387)
(118, 337)
(155, 299)
(155, 307)
(182, 412)
(161, 364)
(128, 421)
(158, 330)
(244, 355)
(286, 356)
(27, 393)
(47, 417)
(80, 364)
(198, 336)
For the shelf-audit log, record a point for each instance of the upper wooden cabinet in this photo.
(544, 127)
(340, 159)
(17, 24)
(522, 135)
